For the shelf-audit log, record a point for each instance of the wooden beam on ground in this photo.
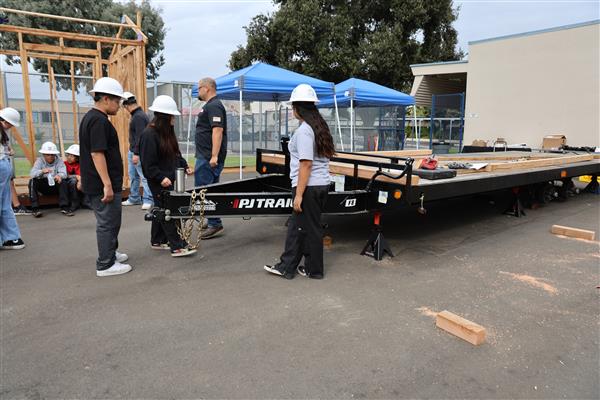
(463, 328)
(573, 232)
(26, 92)
(69, 35)
(76, 51)
(546, 162)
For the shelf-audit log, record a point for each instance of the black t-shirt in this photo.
(97, 134)
(210, 116)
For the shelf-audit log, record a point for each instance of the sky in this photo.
(202, 34)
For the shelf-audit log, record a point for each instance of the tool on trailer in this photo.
(429, 163)
(421, 210)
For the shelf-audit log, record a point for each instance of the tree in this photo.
(104, 10)
(375, 40)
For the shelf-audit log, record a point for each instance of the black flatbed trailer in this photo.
(390, 186)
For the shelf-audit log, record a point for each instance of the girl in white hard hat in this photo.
(160, 157)
(310, 147)
(48, 176)
(10, 117)
(10, 235)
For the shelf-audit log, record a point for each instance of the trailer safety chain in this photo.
(186, 229)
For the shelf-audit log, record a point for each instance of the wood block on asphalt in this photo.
(573, 232)
(463, 328)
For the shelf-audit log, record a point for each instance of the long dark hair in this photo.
(168, 147)
(309, 113)
(4, 136)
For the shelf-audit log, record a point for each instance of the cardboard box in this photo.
(479, 143)
(554, 142)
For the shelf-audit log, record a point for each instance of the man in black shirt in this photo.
(102, 174)
(137, 124)
(211, 145)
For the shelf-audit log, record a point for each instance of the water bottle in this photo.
(50, 179)
(180, 180)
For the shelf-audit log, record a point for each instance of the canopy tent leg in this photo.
(351, 124)
(189, 130)
(417, 133)
(337, 119)
(241, 123)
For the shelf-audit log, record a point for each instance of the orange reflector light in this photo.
(563, 174)
(264, 169)
(397, 194)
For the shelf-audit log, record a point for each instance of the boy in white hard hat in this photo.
(48, 176)
(10, 235)
(73, 177)
(102, 174)
(138, 122)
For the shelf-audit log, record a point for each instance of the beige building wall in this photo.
(525, 87)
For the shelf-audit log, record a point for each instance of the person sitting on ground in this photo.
(160, 157)
(48, 176)
(73, 177)
(10, 235)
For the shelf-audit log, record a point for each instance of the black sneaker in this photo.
(67, 212)
(20, 210)
(276, 271)
(13, 244)
(301, 270)
(36, 213)
(212, 232)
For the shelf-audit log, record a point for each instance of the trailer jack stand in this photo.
(592, 187)
(516, 208)
(377, 245)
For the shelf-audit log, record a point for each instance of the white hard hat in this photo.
(164, 104)
(108, 86)
(11, 116)
(49, 148)
(128, 97)
(304, 92)
(73, 149)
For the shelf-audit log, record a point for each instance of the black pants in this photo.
(40, 185)
(75, 196)
(163, 231)
(305, 233)
(108, 225)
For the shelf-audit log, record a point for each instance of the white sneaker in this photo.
(146, 206)
(121, 257)
(129, 203)
(116, 269)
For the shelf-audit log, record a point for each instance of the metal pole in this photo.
(187, 146)
(417, 132)
(351, 124)
(337, 117)
(241, 126)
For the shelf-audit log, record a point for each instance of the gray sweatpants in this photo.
(108, 225)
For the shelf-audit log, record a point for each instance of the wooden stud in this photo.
(463, 328)
(26, 93)
(61, 141)
(52, 16)
(59, 49)
(573, 232)
(74, 104)
(69, 35)
(53, 104)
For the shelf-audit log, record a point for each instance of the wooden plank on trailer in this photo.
(573, 232)
(461, 327)
(399, 153)
(546, 162)
(339, 168)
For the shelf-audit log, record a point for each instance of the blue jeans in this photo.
(9, 230)
(135, 174)
(204, 174)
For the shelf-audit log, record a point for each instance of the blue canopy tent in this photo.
(355, 92)
(264, 82)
